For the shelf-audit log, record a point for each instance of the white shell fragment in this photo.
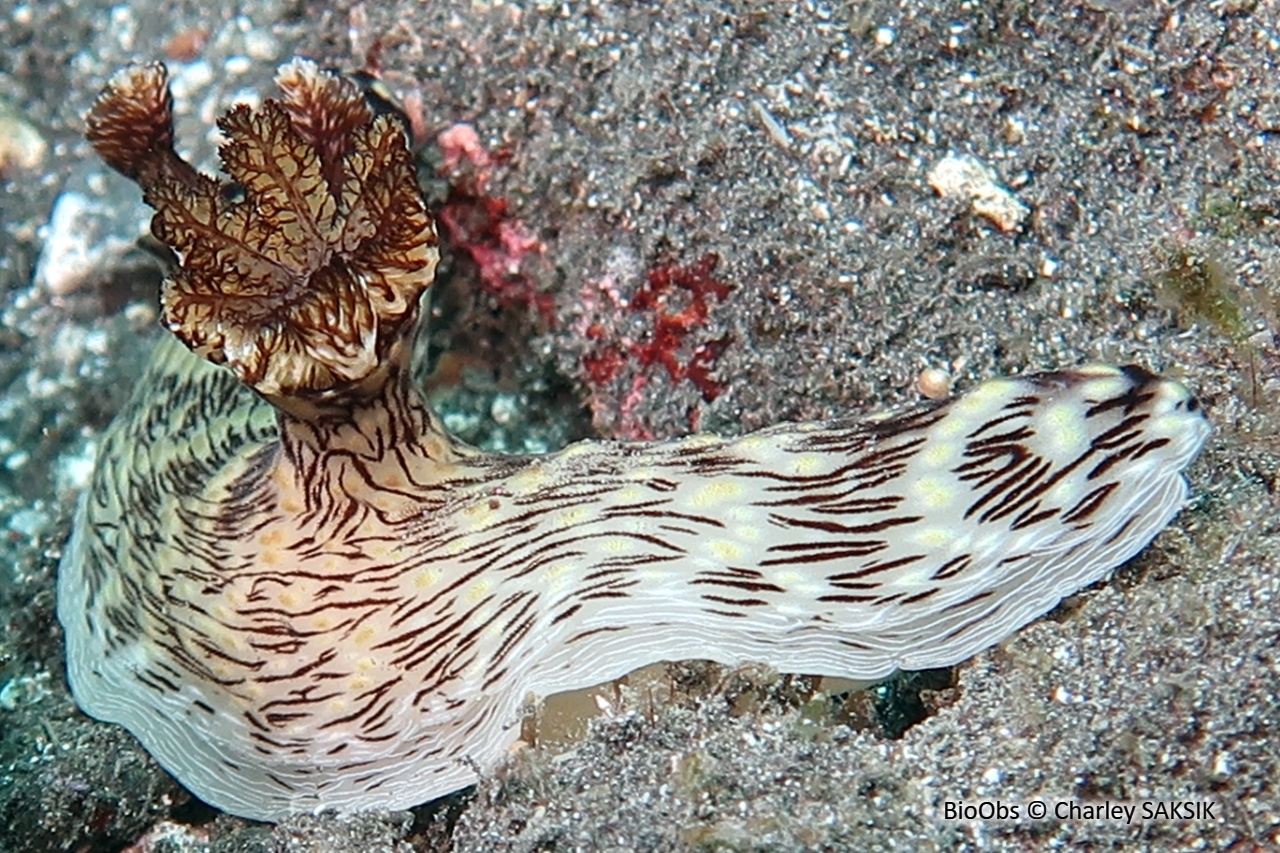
(965, 176)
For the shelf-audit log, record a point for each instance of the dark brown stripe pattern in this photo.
(291, 617)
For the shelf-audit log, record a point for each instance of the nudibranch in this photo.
(298, 591)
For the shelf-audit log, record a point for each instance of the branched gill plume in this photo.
(298, 591)
(303, 271)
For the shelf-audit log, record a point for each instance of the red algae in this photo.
(677, 300)
(481, 225)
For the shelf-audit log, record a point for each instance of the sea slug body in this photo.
(298, 591)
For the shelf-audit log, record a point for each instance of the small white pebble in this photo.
(1015, 130)
(248, 97)
(965, 176)
(75, 245)
(9, 695)
(190, 78)
(237, 65)
(504, 408)
(95, 342)
(140, 315)
(74, 471)
(261, 46)
(21, 144)
(933, 383)
(885, 36)
(1260, 339)
(124, 26)
(28, 522)
(460, 422)
(773, 128)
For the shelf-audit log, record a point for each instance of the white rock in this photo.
(965, 176)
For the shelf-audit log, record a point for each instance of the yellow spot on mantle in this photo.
(933, 537)
(806, 463)
(527, 481)
(455, 546)
(1097, 369)
(938, 453)
(630, 493)
(911, 579)
(579, 449)
(716, 491)
(557, 577)
(986, 396)
(1063, 493)
(934, 492)
(725, 550)
(952, 426)
(573, 517)
(699, 441)
(1100, 389)
(1064, 427)
(479, 590)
